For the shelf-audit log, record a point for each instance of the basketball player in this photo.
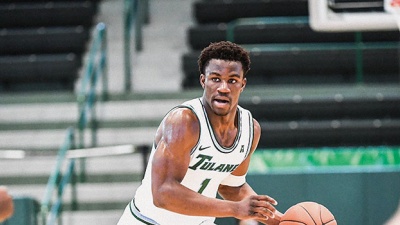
(6, 204)
(203, 147)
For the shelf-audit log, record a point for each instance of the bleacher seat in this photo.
(216, 11)
(284, 50)
(319, 119)
(330, 133)
(47, 13)
(38, 72)
(42, 43)
(14, 41)
(324, 108)
(275, 30)
(312, 64)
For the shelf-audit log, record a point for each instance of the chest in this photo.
(208, 157)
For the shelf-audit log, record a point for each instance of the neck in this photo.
(225, 128)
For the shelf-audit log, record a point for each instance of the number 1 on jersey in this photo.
(204, 185)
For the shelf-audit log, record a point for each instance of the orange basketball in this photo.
(308, 213)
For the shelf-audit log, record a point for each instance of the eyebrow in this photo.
(218, 74)
(235, 75)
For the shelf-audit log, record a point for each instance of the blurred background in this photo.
(85, 83)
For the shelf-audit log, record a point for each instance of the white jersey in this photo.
(210, 164)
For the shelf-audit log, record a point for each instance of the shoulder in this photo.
(257, 126)
(186, 112)
(181, 116)
(257, 134)
(179, 124)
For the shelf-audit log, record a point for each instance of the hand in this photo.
(257, 207)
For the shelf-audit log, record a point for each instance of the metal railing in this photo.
(50, 210)
(136, 13)
(95, 68)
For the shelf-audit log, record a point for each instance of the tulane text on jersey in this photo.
(204, 163)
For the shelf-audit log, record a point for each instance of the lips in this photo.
(222, 100)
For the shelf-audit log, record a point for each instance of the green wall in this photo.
(358, 185)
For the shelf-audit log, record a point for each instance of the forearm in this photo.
(179, 199)
(236, 193)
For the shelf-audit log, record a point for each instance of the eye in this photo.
(215, 79)
(233, 81)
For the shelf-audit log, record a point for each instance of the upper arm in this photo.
(175, 138)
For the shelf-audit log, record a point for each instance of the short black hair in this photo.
(224, 50)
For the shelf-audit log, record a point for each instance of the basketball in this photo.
(308, 213)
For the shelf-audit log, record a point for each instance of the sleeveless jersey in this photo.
(210, 163)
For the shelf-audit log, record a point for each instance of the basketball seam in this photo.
(329, 221)
(296, 221)
(315, 223)
(320, 214)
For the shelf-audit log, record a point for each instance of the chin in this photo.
(221, 112)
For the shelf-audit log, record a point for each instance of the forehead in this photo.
(220, 66)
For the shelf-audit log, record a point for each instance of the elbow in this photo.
(159, 203)
(160, 197)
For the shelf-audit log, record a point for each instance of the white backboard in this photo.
(324, 19)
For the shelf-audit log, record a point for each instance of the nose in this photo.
(223, 87)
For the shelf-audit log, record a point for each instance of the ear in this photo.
(243, 84)
(202, 80)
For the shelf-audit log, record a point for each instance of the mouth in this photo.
(221, 100)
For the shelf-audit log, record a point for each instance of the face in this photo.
(222, 82)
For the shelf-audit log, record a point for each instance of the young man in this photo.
(203, 147)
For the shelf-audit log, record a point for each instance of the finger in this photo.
(267, 198)
(262, 208)
(261, 217)
(265, 212)
(262, 205)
